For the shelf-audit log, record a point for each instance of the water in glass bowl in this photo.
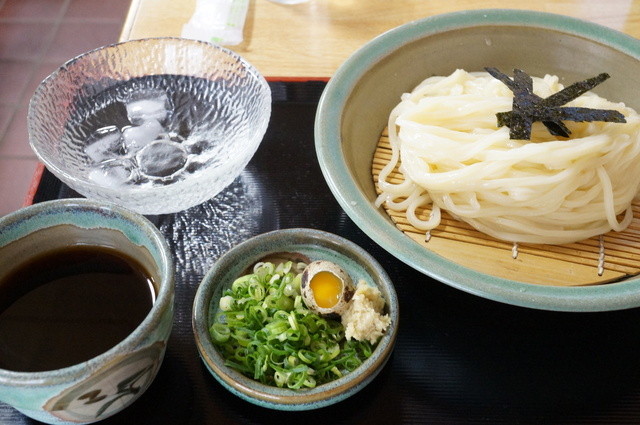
(157, 130)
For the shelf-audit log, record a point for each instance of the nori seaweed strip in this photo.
(504, 119)
(557, 128)
(576, 114)
(524, 100)
(524, 81)
(519, 126)
(529, 107)
(520, 122)
(579, 114)
(575, 90)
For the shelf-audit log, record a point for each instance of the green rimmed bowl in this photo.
(317, 245)
(355, 106)
(101, 386)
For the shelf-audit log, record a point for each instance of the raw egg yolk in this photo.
(326, 288)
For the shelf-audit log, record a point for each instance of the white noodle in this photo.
(601, 256)
(453, 157)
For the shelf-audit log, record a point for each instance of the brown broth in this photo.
(70, 305)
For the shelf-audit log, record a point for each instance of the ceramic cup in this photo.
(104, 385)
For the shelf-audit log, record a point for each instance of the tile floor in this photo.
(37, 36)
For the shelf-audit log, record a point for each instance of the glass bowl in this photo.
(155, 125)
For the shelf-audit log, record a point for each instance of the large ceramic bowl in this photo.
(156, 125)
(316, 245)
(355, 106)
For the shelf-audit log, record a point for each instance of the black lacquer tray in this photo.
(458, 358)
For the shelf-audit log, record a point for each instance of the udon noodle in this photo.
(453, 157)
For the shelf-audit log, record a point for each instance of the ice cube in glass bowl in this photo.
(198, 99)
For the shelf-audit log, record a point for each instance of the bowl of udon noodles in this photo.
(497, 151)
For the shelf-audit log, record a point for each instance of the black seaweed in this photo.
(529, 107)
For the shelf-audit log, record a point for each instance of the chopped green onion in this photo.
(226, 303)
(220, 332)
(264, 330)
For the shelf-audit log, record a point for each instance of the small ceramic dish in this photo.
(316, 245)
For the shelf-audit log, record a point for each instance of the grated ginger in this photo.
(363, 319)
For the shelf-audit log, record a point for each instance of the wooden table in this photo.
(311, 40)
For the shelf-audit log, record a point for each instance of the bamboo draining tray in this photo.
(573, 264)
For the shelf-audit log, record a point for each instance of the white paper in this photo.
(217, 21)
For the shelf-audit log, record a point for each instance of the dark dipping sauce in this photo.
(70, 305)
